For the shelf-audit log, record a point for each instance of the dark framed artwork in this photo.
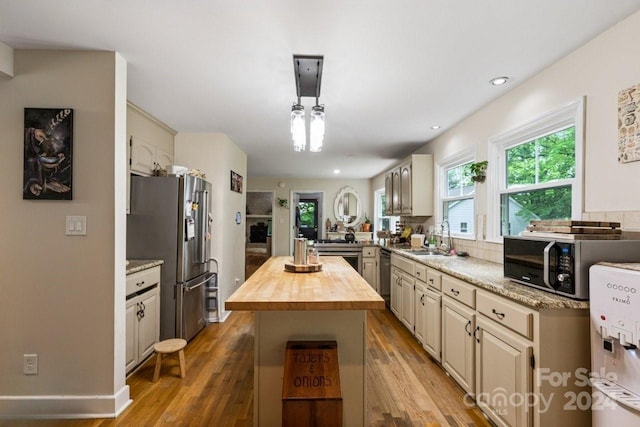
(48, 143)
(236, 182)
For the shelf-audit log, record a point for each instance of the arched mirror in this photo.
(347, 207)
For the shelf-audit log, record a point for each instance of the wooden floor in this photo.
(405, 388)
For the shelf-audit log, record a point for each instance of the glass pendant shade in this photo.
(316, 128)
(298, 131)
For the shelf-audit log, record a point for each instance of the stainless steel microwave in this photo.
(560, 265)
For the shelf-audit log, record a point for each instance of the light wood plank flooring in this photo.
(405, 388)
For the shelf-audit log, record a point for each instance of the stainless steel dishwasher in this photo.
(385, 275)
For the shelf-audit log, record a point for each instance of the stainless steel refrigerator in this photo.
(170, 219)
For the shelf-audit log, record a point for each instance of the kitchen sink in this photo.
(427, 252)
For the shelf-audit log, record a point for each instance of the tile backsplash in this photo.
(629, 224)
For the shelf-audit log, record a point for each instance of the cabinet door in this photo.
(163, 159)
(396, 293)
(396, 192)
(131, 334)
(420, 312)
(407, 301)
(369, 269)
(503, 373)
(432, 343)
(458, 324)
(405, 189)
(142, 156)
(148, 326)
(388, 193)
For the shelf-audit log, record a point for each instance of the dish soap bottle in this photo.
(432, 238)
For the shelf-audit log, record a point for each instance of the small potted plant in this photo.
(283, 203)
(366, 227)
(479, 171)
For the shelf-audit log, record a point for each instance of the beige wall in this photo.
(63, 297)
(597, 71)
(216, 155)
(282, 223)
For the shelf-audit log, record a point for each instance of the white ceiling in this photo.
(392, 69)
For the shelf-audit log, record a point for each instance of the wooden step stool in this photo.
(311, 394)
(168, 347)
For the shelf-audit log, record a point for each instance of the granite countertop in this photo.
(490, 276)
(135, 265)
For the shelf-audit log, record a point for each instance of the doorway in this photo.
(307, 218)
(306, 215)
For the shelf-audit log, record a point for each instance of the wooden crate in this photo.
(311, 394)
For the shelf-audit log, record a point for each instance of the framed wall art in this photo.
(236, 182)
(48, 143)
(629, 124)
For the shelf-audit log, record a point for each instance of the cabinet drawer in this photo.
(403, 263)
(459, 290)
(507, 313)
(142, 280)
(434, 279)
(369, 252)
(421, 272)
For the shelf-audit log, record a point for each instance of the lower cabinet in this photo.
(142, 318)
(396, 292)
(408, 290)
(458, 343)
(432, 329)
(503, 374)
(370, 266)
(420, 324)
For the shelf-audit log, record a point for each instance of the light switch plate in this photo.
(76, 226)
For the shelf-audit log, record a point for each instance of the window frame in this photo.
(378, 213)
(571, 114)
(458, 159)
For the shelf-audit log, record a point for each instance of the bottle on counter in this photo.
(432, 238)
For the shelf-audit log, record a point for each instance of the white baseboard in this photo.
(64, 407)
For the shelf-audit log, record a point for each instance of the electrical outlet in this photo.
(237, 280)
(30, 364)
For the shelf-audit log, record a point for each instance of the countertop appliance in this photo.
(562, 265)
(615, 337)
(385, 275)
(170, 219)
(351, 251)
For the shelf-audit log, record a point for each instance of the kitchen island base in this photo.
(272, 331)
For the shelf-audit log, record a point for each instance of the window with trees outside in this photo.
(458, 198)
(541, 171)
(383, 222)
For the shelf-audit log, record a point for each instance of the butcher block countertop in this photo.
(336, 287)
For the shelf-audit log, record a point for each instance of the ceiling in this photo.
(392, 69)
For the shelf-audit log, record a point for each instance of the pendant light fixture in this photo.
(308, 73)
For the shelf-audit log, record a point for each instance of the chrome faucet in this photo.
(448, 245)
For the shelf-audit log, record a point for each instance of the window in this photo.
(459, 198)
(381, 221)
(539, 171)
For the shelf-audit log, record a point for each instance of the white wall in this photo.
(281, 217)
(63, 297)
(216, 155)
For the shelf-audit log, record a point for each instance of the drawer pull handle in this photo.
(456, 293)
(431, 281)
(476, 330)
(422, 300)
(499, 315)
(466, 328)
(140, 283)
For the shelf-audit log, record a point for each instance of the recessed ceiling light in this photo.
(435, 127)
(499, 81)
(336, 171)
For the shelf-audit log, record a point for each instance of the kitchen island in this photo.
(329, 305)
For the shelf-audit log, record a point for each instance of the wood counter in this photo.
(329, 305)
(336, 287)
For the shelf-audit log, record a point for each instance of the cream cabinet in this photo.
(145, 157)
(402, 289)
(420, 325)
(142, 316)
(458, 343)
(432, 327)
(411, 185)
(396, 292)
(503, 373)
(408, 290)
(370, 261)
(388, 193)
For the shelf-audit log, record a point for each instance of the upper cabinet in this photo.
(409, 187)
(146, 157)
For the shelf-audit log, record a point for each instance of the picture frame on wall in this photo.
(236, 182)
(48, 144)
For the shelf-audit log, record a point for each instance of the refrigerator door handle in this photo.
(197, 285)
